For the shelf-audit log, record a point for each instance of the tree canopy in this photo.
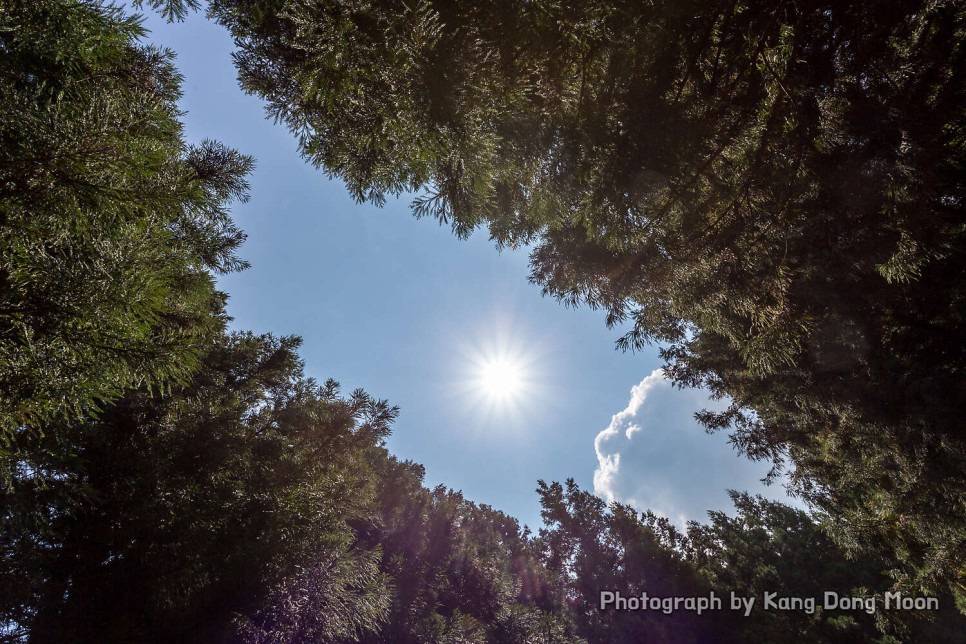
(199, 513)
(111, 225)
(773, 191)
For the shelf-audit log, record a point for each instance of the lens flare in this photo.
(501, 371)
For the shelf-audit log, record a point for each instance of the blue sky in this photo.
(403, 309)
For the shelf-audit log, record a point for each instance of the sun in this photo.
(501, 377)
(500, 371)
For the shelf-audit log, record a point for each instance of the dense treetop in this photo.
(111, 225)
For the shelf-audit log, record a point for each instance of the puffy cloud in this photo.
(655, 455)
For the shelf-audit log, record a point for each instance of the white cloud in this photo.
(655, 455)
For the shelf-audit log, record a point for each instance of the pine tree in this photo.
(460, 572)
(111, 226)
(218, 511)
(761, 547)
(766, 546)
(594, 548)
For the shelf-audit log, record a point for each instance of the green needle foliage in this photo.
(762, 547)
(110, 224)
(591, 548)
(217, 511)
(771, 190)
(461, 572)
